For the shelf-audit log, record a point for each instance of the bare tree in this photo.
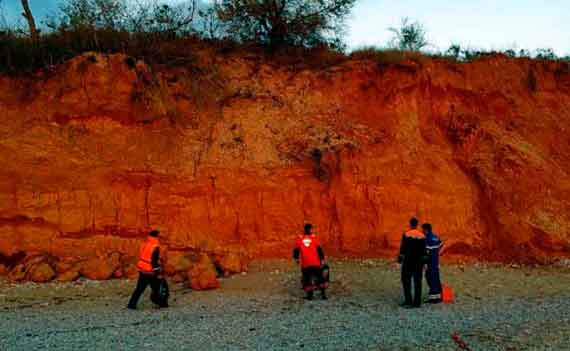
(2, 17)
(173, 18)
(91, 14)
(154, 16)
(3, 21)
(31, 22)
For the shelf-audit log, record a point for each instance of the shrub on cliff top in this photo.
(278, 23)
(388, 56)
(159, 32)
(410, 36)
(155, 31)
(18, 55)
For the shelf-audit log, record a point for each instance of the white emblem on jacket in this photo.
(307, 242)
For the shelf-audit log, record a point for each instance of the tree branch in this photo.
(31, 22)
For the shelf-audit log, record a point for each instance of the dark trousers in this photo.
(312, 278)
(412, 271)
(433, 281)
(142, 283)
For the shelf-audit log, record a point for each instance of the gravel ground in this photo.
(497, 308)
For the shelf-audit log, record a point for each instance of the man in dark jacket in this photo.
(309, 253)
(433, 245)
(412, 252)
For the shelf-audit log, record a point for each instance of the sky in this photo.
(476, 24)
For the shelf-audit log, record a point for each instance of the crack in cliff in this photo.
(492, 240)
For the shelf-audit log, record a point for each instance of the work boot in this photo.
(323, 295)
(434, 301)
(309, 295)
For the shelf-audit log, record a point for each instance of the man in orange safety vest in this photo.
(148, 267)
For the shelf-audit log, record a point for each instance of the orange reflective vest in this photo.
(144, 264)
(414, 233)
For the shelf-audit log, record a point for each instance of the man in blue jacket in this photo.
(433, 245)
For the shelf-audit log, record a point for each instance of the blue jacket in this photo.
(433, 244)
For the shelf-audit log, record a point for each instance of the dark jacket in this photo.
(155, 259)
(412, 248)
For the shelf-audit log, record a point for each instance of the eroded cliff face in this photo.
(236, 153)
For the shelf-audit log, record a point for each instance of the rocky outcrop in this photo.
(18, 273)
(231, 263)
(198, 270)
(100, 268)
(202, 275)
(236, 153)
(41, 273)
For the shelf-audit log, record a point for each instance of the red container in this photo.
(447, 294)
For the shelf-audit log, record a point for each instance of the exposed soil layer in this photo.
(235, 153)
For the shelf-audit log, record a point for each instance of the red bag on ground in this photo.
(447, 294)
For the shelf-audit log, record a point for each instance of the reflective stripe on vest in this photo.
(414, 233)
(145, 260)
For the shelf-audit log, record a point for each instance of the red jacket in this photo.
(308, 248)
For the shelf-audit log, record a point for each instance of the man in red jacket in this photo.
(311, 256)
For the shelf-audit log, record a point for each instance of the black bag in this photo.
(325, 274)
(160, 297)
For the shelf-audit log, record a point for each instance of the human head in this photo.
(414, 222)
(154, 233)
(426, 228)
(308, 228)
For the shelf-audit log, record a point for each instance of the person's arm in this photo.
(321, 254)
(296, 253)
(155, 260)
(433, 244)
(401, 255)
(425, 251)
(441, 250)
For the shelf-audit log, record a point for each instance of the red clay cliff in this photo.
(234, 154)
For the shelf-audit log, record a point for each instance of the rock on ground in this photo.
(100, 268)
(41, 273)
(202, 275)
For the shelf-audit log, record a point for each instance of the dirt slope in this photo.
(236, 153)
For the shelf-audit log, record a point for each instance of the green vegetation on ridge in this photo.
(161, 32)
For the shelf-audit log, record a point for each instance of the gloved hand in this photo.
(400, 258)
